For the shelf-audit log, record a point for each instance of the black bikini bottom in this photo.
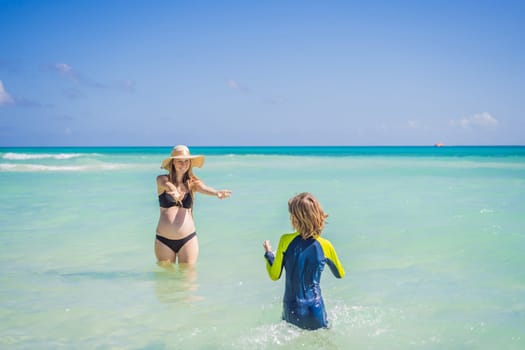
(176, 244)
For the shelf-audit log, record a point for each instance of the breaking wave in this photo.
(29, 156)
(50, 168)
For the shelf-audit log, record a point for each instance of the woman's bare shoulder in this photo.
(162, 178)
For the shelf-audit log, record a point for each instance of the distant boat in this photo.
(439, 144)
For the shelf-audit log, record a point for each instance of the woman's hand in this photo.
(267, 247)
(174, 192)
(223, 194)
(177, 195)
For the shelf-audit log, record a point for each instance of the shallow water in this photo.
(432, 243)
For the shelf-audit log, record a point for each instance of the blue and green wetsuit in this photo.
(304, 261)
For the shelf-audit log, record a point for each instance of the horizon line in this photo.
(261, 146)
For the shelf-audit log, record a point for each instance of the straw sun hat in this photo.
(182, 152)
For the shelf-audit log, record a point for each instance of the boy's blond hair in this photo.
(306, 214)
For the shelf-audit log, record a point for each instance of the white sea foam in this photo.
(266, 336)
(49, 168)
(28, 156)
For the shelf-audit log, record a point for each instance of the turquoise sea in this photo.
(432, 239)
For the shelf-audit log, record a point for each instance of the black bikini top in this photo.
(166, 200)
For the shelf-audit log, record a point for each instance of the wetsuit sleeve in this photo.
(274, 263)
(331, 258)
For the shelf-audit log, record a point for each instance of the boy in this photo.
(303, 255)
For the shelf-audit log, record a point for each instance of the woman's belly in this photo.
(175, 223)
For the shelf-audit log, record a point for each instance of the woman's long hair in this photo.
(307, 215)
(188, 179)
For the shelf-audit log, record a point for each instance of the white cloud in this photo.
(274, 100)
(413, 124)
(128, 85)
(65, 70)
(68, 72)
(484, 120)
(5, 97)
(417, 125)
(234, 85)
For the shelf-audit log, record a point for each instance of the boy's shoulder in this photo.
(322, 239)
(292, 234)
(324, 242)
(288, 237)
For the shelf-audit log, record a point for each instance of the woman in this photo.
(176, 238)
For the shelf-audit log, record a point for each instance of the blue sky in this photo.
(206, 73)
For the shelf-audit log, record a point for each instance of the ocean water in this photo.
(432, 239)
